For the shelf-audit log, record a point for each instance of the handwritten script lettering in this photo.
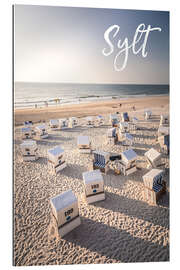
(138, 44)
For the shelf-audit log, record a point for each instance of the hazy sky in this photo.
(57, 44)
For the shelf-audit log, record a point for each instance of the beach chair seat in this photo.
(125, 117)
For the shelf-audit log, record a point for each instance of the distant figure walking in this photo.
(120, 105)
(35, 106)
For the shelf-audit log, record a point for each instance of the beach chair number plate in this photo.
(94, 186)
(68, 212)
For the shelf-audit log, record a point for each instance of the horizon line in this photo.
(91, 83)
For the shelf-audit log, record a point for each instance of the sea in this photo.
(38, 95)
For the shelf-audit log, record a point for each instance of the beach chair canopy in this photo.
(148, 112)
(26, 129)
(89, 118)
(129, 155)
(63, 200)
(57, 151)
(83, 140)
(113, 116)
(92, 176)
(29, 144)
(62, 120)
(28, 123)
(40, 127)
(123, 125)
(164, 117)
(54, 122)
(152, 154)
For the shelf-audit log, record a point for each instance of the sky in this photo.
(66, 45)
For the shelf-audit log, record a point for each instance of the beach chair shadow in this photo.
(164, 200)
(60, 138)
(75, 172)
(42, 160)
(114, 243)
(137, 209)
(75, 129)
(16, 141)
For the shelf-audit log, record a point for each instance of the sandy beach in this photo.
(122, 228)
(93, 108)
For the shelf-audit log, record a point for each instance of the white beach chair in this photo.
(26, 133)
(41, 131)
(164, 119)
(72, 122)
(153, 157)
(154, 185)
(29, 150)
(28, 124)
(128, 161)
(89, 121)
(94, 186)
(100, 120)
(54, 124)
(127, 139)
(164, 143)
(111, 136)
(114, 120)
(63, 123)
(84, 144)
(123, 127)
(163, 131)
(147, 114)
(65, 210)
(56, 160)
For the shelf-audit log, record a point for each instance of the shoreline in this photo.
(92, 108)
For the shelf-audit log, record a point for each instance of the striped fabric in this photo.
(99, 160)
(157, 187)
(114, 133)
